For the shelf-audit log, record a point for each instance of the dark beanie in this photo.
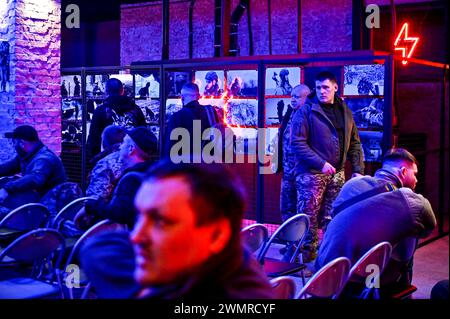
(24, 132)
(144, 139)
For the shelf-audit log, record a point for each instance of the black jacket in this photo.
(121, 207)
(118, 110)
(41, 171)
(315, 141)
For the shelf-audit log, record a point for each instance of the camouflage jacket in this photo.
(104, 176)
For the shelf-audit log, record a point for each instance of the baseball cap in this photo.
(24, 132)
(144, 139)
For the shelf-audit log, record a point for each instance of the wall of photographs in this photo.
(233, 90)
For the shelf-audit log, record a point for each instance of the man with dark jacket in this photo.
(370, 210)
(192, 119)
(117, 109)
(186, 241)
(323, 137)
(137, 148)
(39, 168)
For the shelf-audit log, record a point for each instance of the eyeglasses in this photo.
(295, 96)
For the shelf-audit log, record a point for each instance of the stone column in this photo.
(31, 30)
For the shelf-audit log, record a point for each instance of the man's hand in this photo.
(328, 169)
(357, 175)
(82, 219)
(3, 194)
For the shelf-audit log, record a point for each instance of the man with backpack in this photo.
(184, 140)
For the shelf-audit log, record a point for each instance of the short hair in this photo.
(395, 155)
(326, 75)
(216, 191)
(112, 135)
(192, 87)
(114, 86)
(302, 88)
(211, 75)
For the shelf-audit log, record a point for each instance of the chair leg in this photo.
(302, 272)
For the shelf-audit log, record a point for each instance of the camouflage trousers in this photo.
(316, 194)
(288, 197)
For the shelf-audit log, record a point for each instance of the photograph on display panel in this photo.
(242, 83)
(367, 112)
(280, 81)
(96, 85)
(71, 109)
(71, 86)
(218, 105)
(246, 140)
(242, 112)
(150, 109)
(172, 106)
(371, 142)
(146, 85)
(276, 108)
(271, 140)
(364, 79)
(175, 81)
(210, 83)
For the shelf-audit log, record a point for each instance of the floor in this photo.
(431, 264)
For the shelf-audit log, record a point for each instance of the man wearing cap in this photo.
(136, 150)
(39, 168)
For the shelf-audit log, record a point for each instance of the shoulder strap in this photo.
(389, 187)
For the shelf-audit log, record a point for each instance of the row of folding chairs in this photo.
(327, 282)
(43, 249)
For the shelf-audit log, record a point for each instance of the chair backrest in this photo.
(293, 230)
(69, 211)
(101, 226)
(283, 287)
(254, 236)
(36, 245)
(26, 217)
(329, 280)
(378, 255)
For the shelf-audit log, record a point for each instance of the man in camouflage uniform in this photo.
(323, 136)
(288, 195)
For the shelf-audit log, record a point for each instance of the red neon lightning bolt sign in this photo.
(403, 43)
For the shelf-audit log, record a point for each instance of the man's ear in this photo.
(403, 170)
(220, 235)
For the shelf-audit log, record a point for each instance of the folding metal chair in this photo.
(283, 287)
(22, 219)
(254, 236)
(293, 231)
(69, 211)
(42, 248)
(102, 226)
(328, 281)
(373, 261)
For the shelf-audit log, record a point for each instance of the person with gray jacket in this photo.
(323, 136)
(370, 210)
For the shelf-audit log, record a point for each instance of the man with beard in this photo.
(31, 173)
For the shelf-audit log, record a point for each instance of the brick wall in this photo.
(35, 70)
(141, 29)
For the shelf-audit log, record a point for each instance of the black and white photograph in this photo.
(271, 140)
(175, 82)
(210, 83)
(150, 108)
(71, 132)
(147, 86)
(71, 86)
(155, 129)
(71, 109)
(280, 81)
(242, 83)
(246, 140)
(242, 112)
(364, 79)
(371, 145)
(367, 112)
(96, 85)
(276, 108)
(172, 106)
(311, 73)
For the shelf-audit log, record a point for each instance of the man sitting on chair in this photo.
(31, 173)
